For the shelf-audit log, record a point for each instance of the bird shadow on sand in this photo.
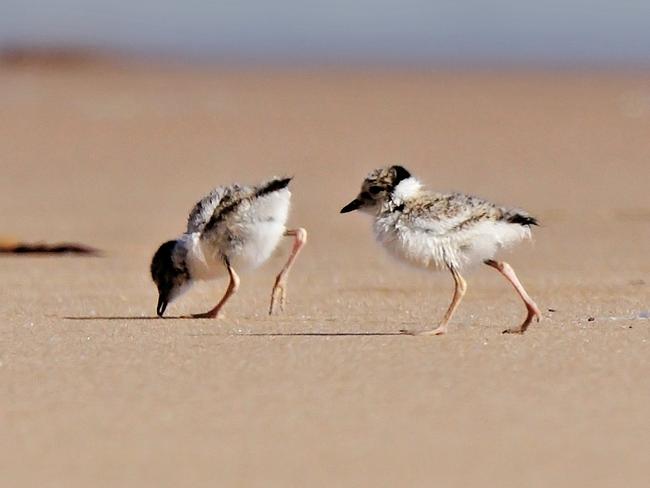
(250, 334)
(125, 317)
(313, 334)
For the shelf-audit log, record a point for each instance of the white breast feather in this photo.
(201, 264)
(249, 235)
(437, 244)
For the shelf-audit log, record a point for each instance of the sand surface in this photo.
(95, 393)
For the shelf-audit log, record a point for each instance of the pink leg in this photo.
(460, 287)
(533, 312)
(278, 294)
(233, 286)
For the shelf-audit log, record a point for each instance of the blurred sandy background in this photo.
(552, 116)
(115, 156)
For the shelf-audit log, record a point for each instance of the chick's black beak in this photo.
(353, 205)
(162, 305)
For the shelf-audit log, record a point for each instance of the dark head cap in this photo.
(167, 275)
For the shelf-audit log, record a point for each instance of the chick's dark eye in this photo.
(374, 189)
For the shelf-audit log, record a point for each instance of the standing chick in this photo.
(442, 231)
(232, 228)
